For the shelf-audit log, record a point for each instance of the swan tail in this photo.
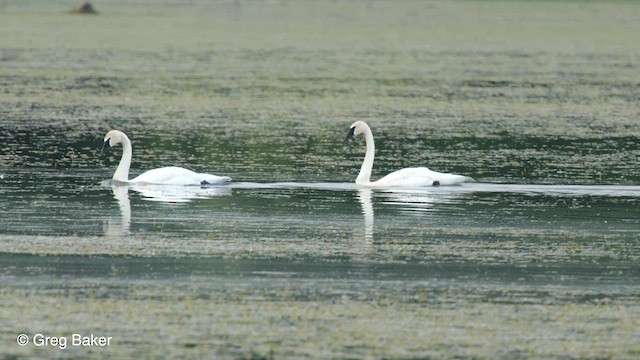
(208, 179)
(451, 179)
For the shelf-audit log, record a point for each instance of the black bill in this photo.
(351, 134)
(106, 147)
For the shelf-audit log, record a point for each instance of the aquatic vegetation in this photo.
(537, 101)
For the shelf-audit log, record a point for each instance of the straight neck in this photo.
(364, 178)
(122, 172)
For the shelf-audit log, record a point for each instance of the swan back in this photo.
(418, 177)
(172, 175)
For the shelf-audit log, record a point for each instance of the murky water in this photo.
(538, 257)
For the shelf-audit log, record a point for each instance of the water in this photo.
(538, 257)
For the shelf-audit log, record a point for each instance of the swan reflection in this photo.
(120, 227)
(412, 201)
(178, 194)
(365, 196)
(167, 194)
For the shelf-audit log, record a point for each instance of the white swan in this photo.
(408, 177)
(170, 175)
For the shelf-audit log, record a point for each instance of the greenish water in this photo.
(537, 101)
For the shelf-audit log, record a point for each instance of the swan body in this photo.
(170, 175)
(407, 177)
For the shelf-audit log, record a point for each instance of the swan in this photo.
(408, 177)
(170, 175)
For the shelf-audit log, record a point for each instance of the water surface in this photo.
(537, 258)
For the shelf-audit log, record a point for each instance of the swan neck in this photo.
(122, 172)
(364, 177)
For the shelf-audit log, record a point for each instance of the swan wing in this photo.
(172, 175)
(419, 176)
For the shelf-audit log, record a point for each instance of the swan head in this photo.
(357, 128)
(113, 137)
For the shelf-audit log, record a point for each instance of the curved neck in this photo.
(122, 172)
(364, 177)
